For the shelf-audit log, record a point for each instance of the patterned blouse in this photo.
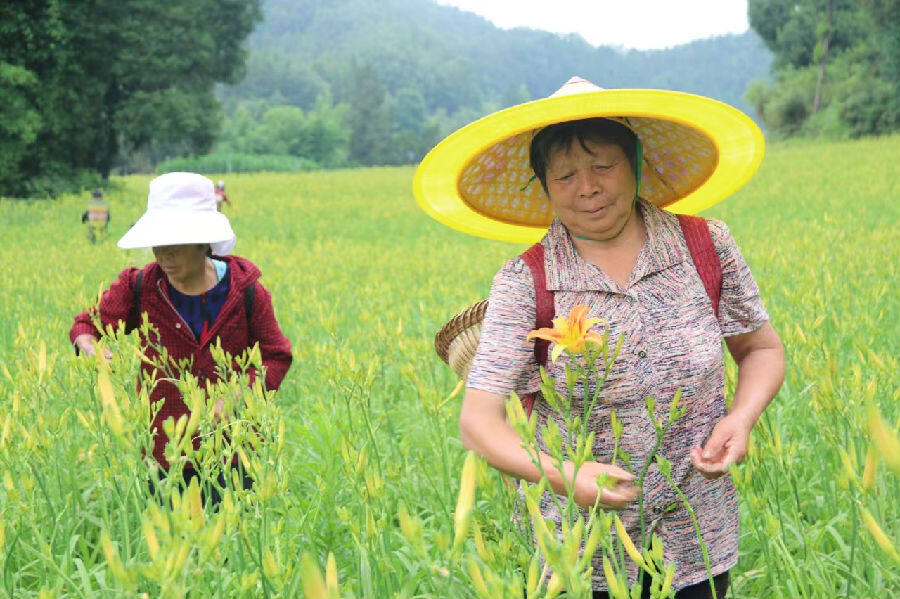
(672, 340)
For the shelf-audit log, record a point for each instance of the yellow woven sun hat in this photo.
(696, 151)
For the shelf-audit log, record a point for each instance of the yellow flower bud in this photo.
(111, 411)
(878, 534)
(311, 577)
(555, 585)
(483, 551)
(270, 568)
(534, 577)
(667, 581)
(331, 575)
(194, 504)
(885, 440)
(868, 477)
(112, 558)
(213, 534)
(411, 528)
(466, 499)
(249, 580)
(612, 582)
(478, 580)
(150, 538)
(42, 359)
(627, 543)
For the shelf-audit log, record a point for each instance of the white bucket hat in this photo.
(181, 209)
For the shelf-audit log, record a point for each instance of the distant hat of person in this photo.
(181, 209)
(97, 193)
(696, 152)
(220, 184)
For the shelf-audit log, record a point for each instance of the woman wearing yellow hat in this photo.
(597, 167)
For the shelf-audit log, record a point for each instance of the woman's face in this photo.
(592, 192)
(181, 261)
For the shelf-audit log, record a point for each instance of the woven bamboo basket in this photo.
(457, 341)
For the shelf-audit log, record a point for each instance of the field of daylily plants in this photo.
(362, 486)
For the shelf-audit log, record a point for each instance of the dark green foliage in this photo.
(235, 162)
(886, 14)
(318, 135)
(42, 146)
(20, 120)
(790, 27)
(854, 57)
(94, 81)
(369, 118)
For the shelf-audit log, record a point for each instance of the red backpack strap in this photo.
(544, 309)
(543, 299)
(703, 252)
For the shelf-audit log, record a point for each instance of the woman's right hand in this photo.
(85, 344)
(484, 429)
(622, 493)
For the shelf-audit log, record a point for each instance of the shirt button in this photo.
(642, 354)
(631, 300)
(177, 325)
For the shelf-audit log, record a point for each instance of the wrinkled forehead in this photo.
(568, 150)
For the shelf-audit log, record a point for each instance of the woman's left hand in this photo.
(726, 445)
(759, 356)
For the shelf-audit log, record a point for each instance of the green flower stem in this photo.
(690, 510)
(536, 460)
(641, 515)
(853, 536)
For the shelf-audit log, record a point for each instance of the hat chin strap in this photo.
(638, 163)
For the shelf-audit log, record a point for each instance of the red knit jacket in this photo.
(231, 326)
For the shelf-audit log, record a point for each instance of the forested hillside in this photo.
(93, 88)
(458, 59)
(418, 70)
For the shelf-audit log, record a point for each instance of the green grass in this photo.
(361, 280)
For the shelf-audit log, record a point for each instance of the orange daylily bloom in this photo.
(569, 333)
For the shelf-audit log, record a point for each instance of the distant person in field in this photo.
(195, 295)
(591, 171)
(221, 198)
(96, 217)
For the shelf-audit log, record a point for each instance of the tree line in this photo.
(387, 80)
(93, 87)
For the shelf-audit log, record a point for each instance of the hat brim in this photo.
(161, 228)
(738, 141)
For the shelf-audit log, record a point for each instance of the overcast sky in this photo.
(639, 24)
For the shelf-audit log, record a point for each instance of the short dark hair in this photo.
(561, 135)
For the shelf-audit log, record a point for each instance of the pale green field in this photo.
(361, 280)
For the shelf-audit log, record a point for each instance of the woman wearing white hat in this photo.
(607, 163)
(194, 294)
